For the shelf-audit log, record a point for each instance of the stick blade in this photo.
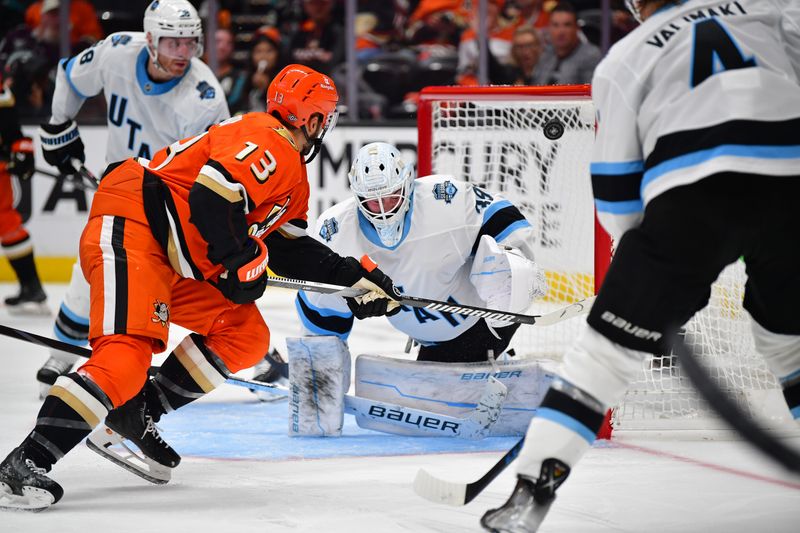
(438, 490)
(576, 309)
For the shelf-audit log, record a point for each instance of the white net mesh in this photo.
(662, 397)
(500, 144)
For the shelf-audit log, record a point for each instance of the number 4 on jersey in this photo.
(715, 50)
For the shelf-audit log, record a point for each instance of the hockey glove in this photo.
(61, 143)
(246, 276)
(383, 296)
(20, 161)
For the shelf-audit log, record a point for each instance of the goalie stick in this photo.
(547, 319)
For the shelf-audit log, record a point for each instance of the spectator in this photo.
(529, 12)
(30, 77)
(567, 59)
(232, 79)
(437, 23)
(266, 60)
(85, 29)
(319, 41)
(500, 34)
(526, 49)
(378, 24)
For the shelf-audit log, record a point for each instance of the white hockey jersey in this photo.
(433, 259)
(699, 88)
(143, 116)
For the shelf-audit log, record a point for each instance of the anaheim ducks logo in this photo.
(258, 229)
(160, 313)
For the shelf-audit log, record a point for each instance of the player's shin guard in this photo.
(190, 372)
(72, 408)
(782, 354)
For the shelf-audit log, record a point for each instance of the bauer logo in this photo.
(430, 422)
(483, 376)
(632, 329)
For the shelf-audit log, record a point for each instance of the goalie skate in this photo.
(128, 457)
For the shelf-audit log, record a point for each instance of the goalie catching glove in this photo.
(245, 279)
(383, 296)
(505, 279)
(61, 143)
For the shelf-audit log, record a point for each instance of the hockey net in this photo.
(532, 145)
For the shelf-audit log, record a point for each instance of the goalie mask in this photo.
(383, 186)
(173, 18)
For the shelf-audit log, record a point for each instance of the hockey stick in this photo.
(730, 412)
(474, 426)
(565, 313)
(86, 181)
(453, 493)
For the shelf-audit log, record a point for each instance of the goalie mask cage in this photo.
(533, 146)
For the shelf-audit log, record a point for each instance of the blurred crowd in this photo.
(401, 45)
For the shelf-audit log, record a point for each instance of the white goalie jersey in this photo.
(433, 259)
(143, 115)
(675, 102)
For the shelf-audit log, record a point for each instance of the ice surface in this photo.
(241, 473)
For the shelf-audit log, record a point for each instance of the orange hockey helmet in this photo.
(297, 93)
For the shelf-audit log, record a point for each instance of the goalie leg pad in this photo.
(319, 376)
(453, 389)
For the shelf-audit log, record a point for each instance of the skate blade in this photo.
(103, 438)
(29, 309)
(32, 499)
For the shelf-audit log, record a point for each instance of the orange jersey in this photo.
(248, 163)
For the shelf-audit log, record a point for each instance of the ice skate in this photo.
(135, 423)
(31, 301)
(271, 369)
(49, 373)
(24, 486)
(528, 505)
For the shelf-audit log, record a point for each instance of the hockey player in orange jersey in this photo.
(183, 238)
(16, 158)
